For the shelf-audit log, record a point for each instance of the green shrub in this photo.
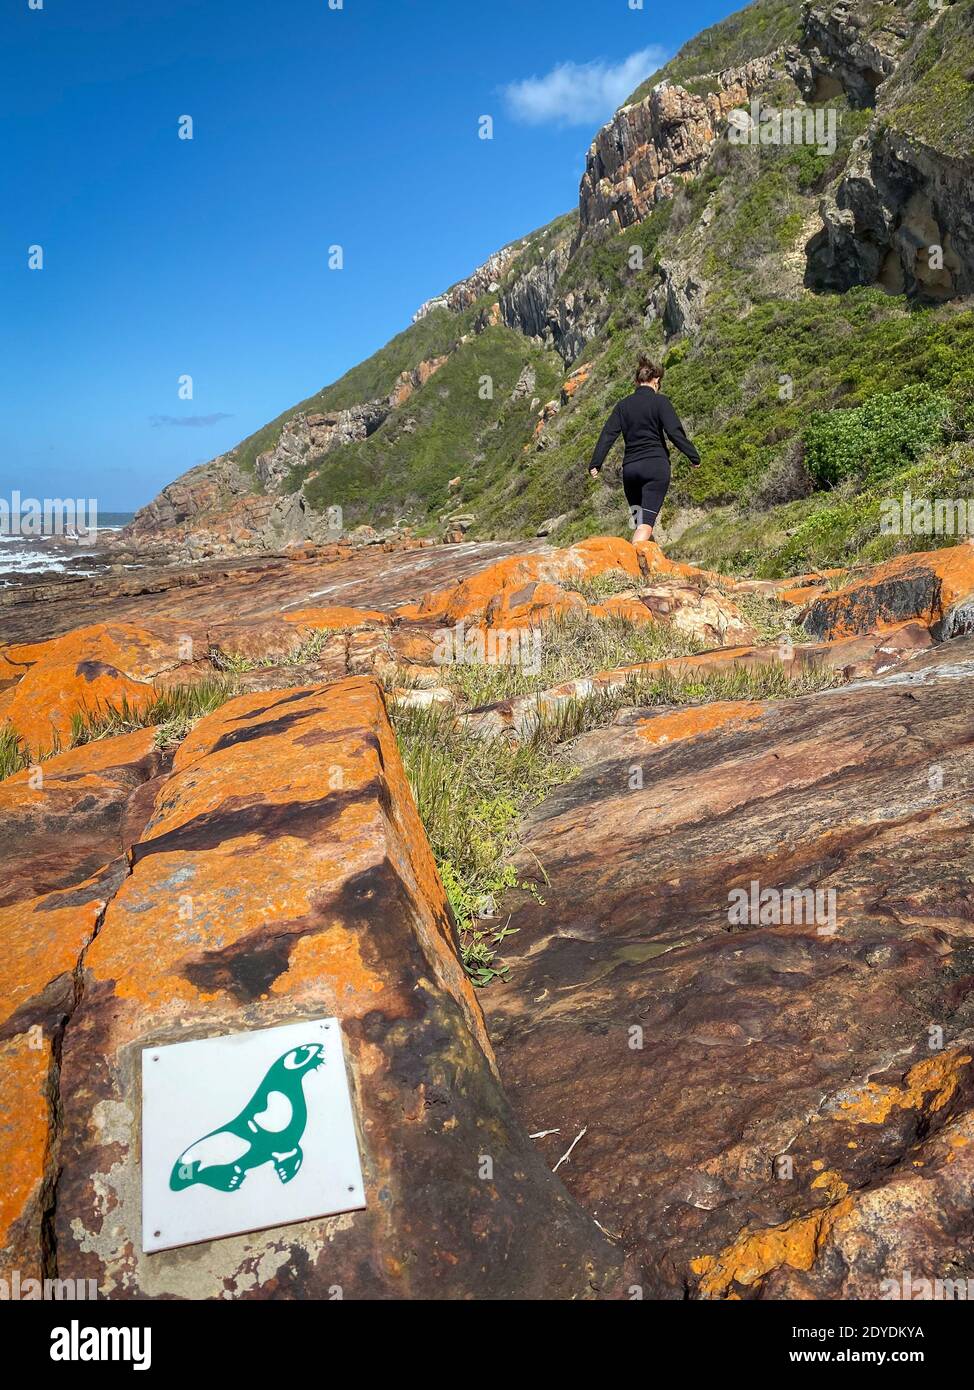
(876, 439)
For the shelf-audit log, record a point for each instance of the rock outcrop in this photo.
(306, 888)
(772, 1106)
(84, 672)
(843, 52)
(647, 148)
(64, 830)
(901, 216)
(776, 1107)
(935, 586)
(63, 820)
(485, 279)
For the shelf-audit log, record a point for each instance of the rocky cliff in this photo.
(648, 148)
(690, 214)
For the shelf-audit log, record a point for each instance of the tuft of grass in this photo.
(313, 645)
(14, 754)
(599, 587)
(566, 647)
(233, 663)
(471, 793)
(173, 713)
(769, 617)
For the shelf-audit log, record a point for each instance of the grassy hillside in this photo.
(768, 360)
(462, 423)
(434, 335)
(748, 33)
(774, 382)
(932, 95)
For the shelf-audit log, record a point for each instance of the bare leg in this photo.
(642, 533)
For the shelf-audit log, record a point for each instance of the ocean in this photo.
(23, 557)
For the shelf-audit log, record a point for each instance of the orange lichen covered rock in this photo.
(630, 609)
(139, 652)
(936, 587)
(597, 555)
(279, 637)
(494, 589)
(654, 563)
(85, 670)
(50, 695)
(530, 605)
(43, 941)
(63, 819)
(336, 617)
(64, 828)
(753, 1254)
(695, 720)
(10, 671)
(574, 380)
(930, 1084)
(285, 874)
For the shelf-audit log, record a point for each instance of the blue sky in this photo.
(312, 126)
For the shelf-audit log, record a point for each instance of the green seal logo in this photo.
(268, 1130)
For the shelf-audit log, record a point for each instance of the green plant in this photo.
(567, 646)
(172, 712)
(14, 754)
(470, 792)
(877, 438)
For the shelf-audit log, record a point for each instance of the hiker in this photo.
(646, 419)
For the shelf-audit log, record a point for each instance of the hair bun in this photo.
(647, 370)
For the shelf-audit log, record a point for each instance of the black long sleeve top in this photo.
(646, 419)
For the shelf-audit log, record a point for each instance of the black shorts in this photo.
(645, 485)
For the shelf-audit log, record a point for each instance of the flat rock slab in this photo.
(284, 875)
(213, 593)
(771, 1108)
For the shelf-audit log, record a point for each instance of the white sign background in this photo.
(190, 1089)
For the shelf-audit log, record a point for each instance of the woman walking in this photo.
(646, 419)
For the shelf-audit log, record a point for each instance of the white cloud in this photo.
(581, 93)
